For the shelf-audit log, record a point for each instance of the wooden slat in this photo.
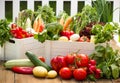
(116, 13)
(70, 81)
(104, 81)
(16, 9)
(20, 78)
(88, 2)
(6, 76)
(59, 6)
(30, 4)
(116, 80)
(74, 81)
(2, 8)
(45, 2)
(74, 6)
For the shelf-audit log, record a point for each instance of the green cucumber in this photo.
(36, 61)
(18, 62)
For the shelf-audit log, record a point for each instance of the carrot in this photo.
(35, 25)
(39, 23)
(67, 22)
(61, 21)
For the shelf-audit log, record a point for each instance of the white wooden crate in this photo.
(54, 48)
(17, 47)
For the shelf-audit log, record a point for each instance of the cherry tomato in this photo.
(82, 60)
(58, 62)
(42, 58)
(65, 73)
(80, 74)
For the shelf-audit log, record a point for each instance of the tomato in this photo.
(82, 60)
(42, 58)
(72, 67)
(70, 58)
(80, 74)
(84, 39)
(65, 73)
(13, 25)
(58, 62)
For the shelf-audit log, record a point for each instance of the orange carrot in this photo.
(67, 22)
(61, 21)
(39, 23)
(35, 25)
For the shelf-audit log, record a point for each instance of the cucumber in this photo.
(18, 62)
(36, 61)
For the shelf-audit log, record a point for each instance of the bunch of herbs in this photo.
(5, 34)
(108, 60)
(47, 14)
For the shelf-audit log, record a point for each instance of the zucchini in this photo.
(18, 62)
(36, 61)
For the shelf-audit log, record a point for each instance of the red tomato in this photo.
(82, 60)
(70, 59)
(42, 58)
(65, 73)
(13, 25)
(80, 74)
(84, 39)
(72, 67)
(58, 62)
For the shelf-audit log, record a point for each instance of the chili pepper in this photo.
(22, 70)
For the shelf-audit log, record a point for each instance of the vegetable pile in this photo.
(43, 25)
(33, 65)
(79, 66)
(90, 25)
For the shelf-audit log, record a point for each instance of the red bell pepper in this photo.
(66, 33)
(23, 70)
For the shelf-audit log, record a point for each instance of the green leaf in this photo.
(106, 71)
(115, 71)
(100, 48)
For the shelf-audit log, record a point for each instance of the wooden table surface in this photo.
(7, 76)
